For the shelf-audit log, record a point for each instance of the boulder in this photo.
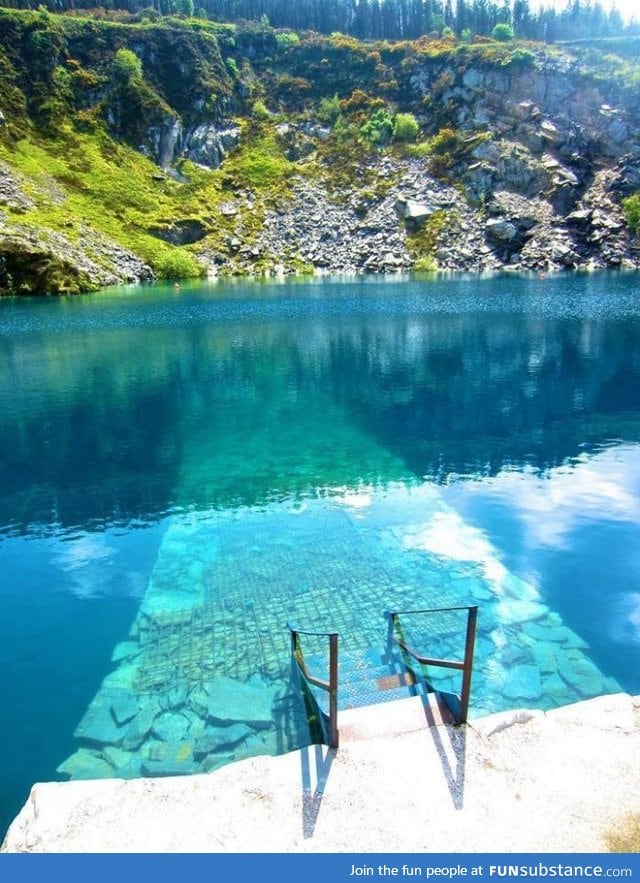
(413, 212)
(501, 230)
(208, 145)
(550, 133)
(171, 726)
(125, 705)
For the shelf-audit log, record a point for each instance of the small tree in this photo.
(405, 127)
(502, 32)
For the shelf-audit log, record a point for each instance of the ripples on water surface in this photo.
(181, 473)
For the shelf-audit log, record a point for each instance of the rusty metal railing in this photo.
(330, 686)
(466, 665)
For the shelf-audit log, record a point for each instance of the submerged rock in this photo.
(140, 727)
(85, 764)
(523, 682)
(170, 759)
(216, 738)
(98, 726)
(232, 701)
(171, 726)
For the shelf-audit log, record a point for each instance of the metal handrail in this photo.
(466, 666)
(330, 686)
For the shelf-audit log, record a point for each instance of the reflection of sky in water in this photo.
(601, 487)
(91, 565)
(573, 532)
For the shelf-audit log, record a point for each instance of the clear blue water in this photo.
(180, 473)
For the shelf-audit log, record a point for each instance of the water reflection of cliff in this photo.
(121, 422)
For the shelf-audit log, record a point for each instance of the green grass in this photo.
(263, 167)
(79, 180)
(85, 179)
(423, 242)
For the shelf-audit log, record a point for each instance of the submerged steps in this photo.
(212, 624)
(372, 677)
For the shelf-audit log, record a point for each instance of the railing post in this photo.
(333, 691)
(330, 686)
(465, 692)
(391, 621)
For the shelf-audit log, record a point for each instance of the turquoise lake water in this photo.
(181, 473)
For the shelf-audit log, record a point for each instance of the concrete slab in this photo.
(518, 782)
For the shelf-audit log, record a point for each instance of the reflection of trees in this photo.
(127, 422)
(469, 394)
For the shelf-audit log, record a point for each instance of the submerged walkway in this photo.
(524, 781)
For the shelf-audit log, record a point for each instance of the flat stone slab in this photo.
(98, 726)
(523, 682)
(232, 701)
(124, 706)
(175, 759)
(85, 764)
(171, 726)
(515, 611)
(216, 738)
(156, 768)
(140, 727)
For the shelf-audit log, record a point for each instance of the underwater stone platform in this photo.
(203, 677)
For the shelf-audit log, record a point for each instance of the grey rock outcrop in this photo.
(571, 222)
(208, 144)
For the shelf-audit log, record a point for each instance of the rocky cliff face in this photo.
(525, 156)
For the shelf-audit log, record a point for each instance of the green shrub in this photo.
(426, 265)
(287, 38)
(177, 265)
(502, 32)
(422, 243)
(329, 109)
(360, 101)
(631, 207)
(260, 110)
(232, 67)
(522, 56)
(405, 127)
(378, 128)
(126, 67)
(443, 141)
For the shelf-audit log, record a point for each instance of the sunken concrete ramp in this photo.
(520, 781)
